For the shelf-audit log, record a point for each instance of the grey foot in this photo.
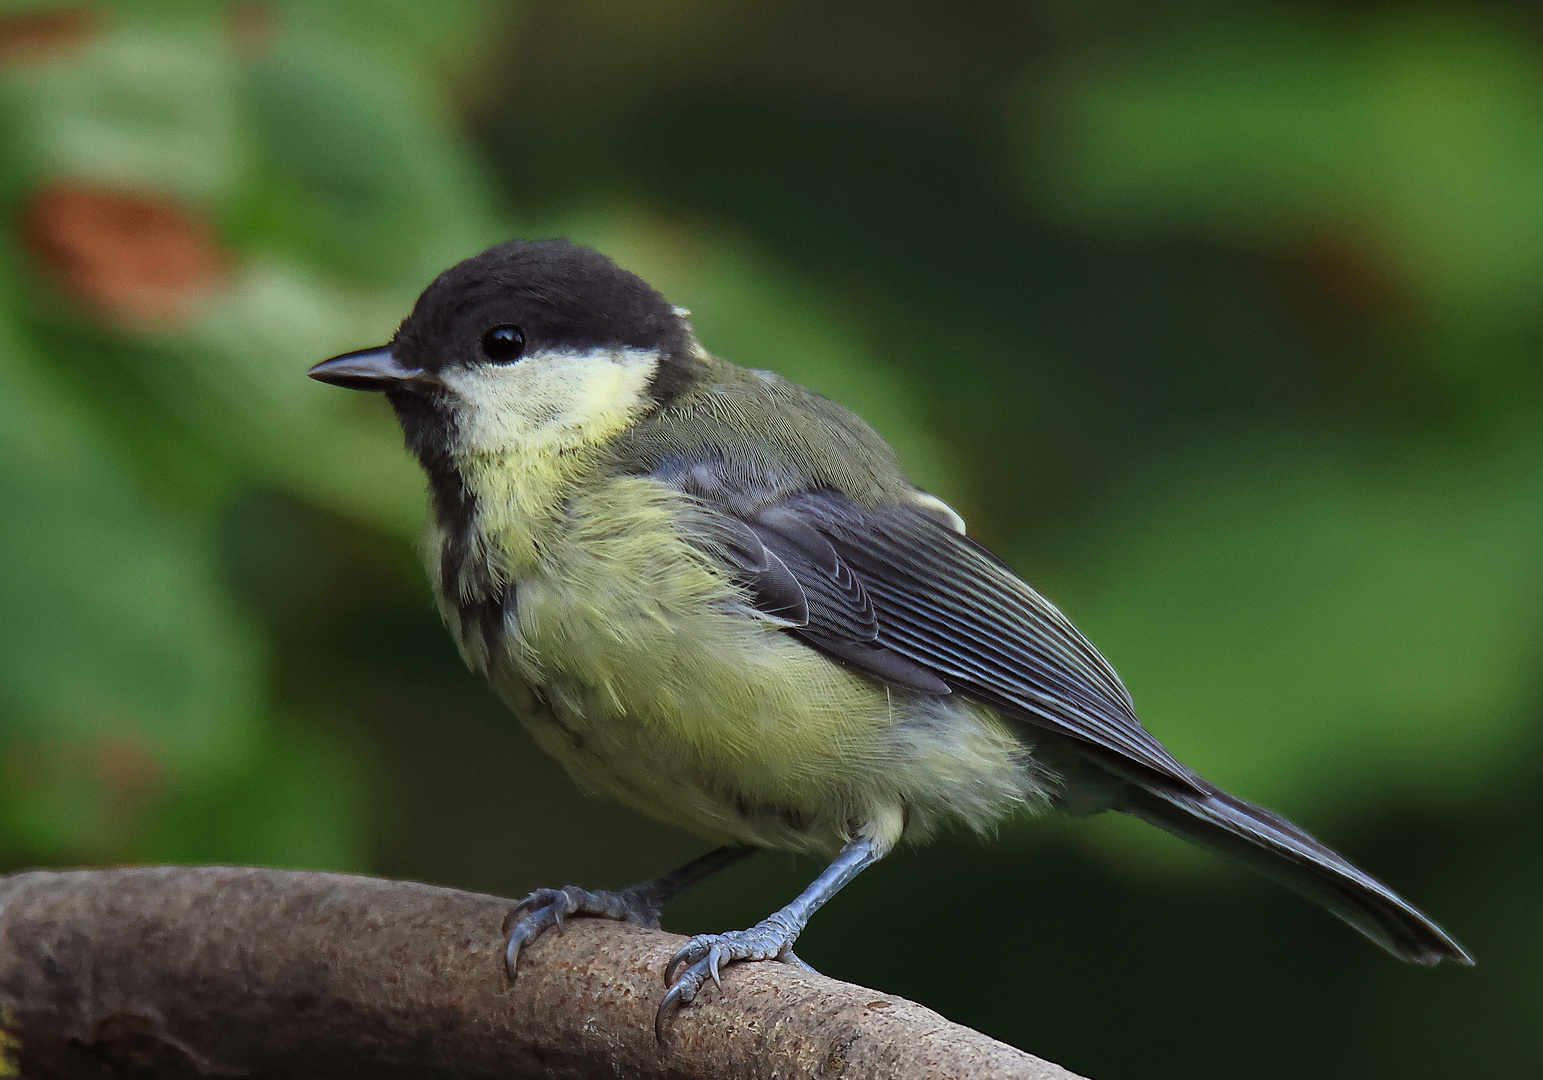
(546, 908)
(706, 954)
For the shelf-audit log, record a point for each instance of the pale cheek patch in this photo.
(550, 401)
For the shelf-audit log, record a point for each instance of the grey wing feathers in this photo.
(777, 592)
(900, 594)
(796, 579)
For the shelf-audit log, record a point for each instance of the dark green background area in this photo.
(1220, 322)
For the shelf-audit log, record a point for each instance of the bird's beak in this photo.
(370, 369)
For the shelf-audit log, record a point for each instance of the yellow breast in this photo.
(640, 665)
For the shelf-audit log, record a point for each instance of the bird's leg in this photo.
(770, 939)
(639, 904)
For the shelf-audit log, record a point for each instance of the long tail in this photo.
(1274, 847)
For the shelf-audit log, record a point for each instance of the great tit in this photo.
(715, 596)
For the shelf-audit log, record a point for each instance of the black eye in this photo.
(503, 344)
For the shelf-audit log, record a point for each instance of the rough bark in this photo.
(169, 971)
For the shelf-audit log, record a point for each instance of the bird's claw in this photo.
(789, 957)
(704, 957)
(543, 909)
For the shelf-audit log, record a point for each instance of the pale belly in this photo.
(738, 731)
(634, 660)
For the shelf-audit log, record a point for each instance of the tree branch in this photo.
(170, 971)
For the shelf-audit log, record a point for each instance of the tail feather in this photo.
(1277, 849)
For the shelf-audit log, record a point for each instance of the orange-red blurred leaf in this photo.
(141, 259)
(40, 36)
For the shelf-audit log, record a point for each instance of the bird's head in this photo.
(527, 348)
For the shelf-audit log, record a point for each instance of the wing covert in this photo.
(900, 594)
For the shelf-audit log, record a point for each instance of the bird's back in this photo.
(766, 437)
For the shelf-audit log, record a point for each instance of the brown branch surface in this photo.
(213, 971)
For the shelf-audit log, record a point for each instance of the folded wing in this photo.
(898, 593)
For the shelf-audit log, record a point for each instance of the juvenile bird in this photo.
(715, 596)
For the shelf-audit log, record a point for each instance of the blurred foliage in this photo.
(1221, 321)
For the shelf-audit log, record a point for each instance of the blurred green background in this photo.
(1221, 321)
